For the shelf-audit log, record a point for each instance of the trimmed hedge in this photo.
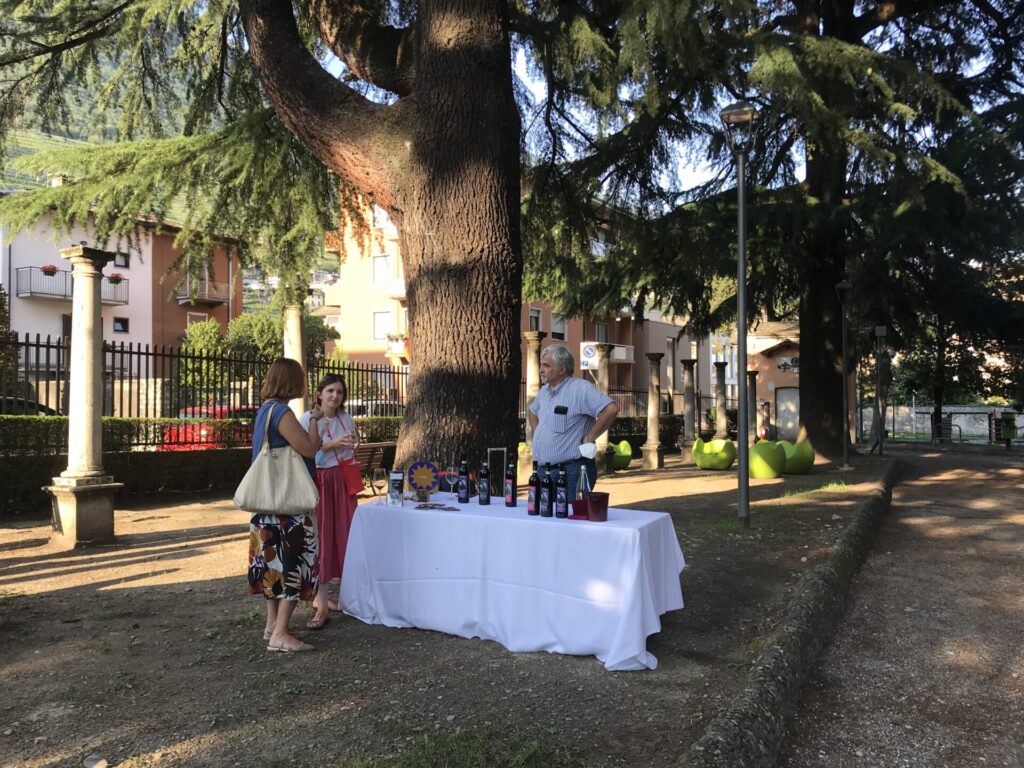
(145, 474)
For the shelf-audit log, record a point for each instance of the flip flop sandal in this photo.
(316, 624)
(300, 648)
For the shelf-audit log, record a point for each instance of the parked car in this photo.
(202, 428)
(19, 406)
(359, 408)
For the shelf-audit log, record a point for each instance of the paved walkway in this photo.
(928, 667)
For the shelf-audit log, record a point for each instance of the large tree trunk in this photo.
(460, 239)
(822, 408)
(444, 162)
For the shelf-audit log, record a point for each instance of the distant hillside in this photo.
(24, 143)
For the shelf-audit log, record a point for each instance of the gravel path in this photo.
(928, 666)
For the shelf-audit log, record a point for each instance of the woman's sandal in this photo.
(300, 648)
(319, 621)
(333, 607)
(267, 634)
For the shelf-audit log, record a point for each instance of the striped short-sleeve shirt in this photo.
(564, 415)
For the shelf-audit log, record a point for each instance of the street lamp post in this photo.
(841, 288)
(739, 120)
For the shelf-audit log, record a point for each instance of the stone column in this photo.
(295, 347)
(690, 410)
(653, 457)
(721, 422)
(83, 495)
(604, 451)
(534, 339)
(751, 406)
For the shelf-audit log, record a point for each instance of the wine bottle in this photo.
(561, 493)
(547, 492)
(510, 485)
(463, 482)
(483, 485)
(533, 492)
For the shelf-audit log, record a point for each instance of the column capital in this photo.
(654, 357)
(534, 337)
(721, 365)
(86, 257)
(688, 362)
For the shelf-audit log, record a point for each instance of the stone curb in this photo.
(749, 732)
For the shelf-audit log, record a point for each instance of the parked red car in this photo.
(204, 427)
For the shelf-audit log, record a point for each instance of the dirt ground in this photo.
(148, 653)
(928, 667)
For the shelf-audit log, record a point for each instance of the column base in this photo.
(83, 510)
(653, 457)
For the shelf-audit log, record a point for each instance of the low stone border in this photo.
(749, 732)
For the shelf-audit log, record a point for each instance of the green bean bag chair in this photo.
(714, 454)
(767, 458)
(799, 457)
(622, 454)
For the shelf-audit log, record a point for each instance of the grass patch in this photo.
(831, 486)
(480, 749)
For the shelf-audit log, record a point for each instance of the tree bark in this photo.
(821, 343)
(444, 163)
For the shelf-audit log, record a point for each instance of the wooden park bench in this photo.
(370, 457)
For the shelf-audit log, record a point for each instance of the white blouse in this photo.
(331, 428)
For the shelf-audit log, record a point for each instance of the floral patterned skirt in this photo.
(283, 559)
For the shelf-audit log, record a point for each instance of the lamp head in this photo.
(739, 120)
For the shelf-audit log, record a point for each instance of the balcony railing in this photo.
(202, 292)
(34, 283)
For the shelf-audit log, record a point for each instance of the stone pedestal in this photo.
(295, 348)
(605, 464)
(653, 457)
(83, 495)
(534, 339)
(691, 411)
(83, 510)
(721, 420)
(751, 406)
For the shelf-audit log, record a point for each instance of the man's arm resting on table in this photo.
(604, 420)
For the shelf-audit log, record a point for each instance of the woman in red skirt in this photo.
(337, 504)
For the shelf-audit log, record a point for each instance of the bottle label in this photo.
(509, 492)
(531, 501)
(463, 489)
(545, 502)
(485, 490)
(561, 503)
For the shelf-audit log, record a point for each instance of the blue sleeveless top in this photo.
(277, 440)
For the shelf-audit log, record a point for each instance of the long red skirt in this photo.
(334, 516)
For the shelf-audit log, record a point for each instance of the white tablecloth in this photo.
(531, 583)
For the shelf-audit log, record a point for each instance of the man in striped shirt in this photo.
(568, 412)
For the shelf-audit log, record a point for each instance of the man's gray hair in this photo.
(561, 357)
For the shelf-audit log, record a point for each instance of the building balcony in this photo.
(397, 346)
(396, 289)
(203, 292)
(34, 283)
(621, 353)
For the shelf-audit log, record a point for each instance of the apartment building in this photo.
(367, 306)
(142, 302)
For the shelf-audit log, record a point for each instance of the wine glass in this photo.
(452, 478)
(379, 480)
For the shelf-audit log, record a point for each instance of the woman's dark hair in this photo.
(333, 378)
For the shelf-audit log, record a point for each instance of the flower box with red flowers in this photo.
(115, 278)
(48, 269)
